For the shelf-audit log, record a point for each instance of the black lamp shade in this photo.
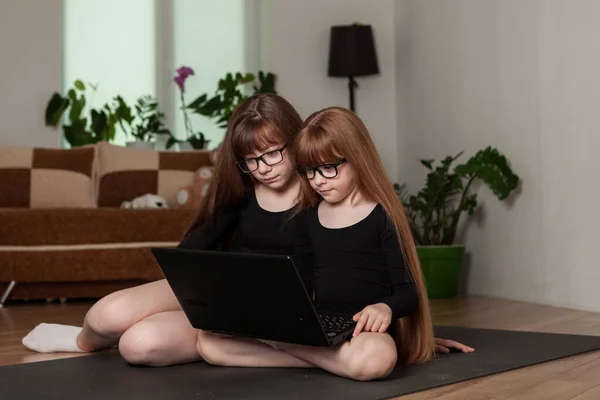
(352, 51)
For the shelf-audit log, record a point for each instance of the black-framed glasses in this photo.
(326, 170)
(270, 158)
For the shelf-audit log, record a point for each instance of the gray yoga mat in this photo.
(108, 376)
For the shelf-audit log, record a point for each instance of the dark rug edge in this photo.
(496, 372)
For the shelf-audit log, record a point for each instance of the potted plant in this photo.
(145, 124)
(435, 211)
(193, 140)
(79, 129)
(229, 94)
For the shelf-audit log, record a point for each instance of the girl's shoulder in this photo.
(382, 219)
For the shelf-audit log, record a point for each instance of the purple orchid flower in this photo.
(184, 71)
(182, 74)
(180, 81)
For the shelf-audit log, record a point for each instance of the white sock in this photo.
(50, 338)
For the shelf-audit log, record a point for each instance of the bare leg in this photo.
(366, 357)
(161, 339)
(243, 352)
(105, 321)
(111, 316)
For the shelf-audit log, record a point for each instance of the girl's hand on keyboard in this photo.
(373, 318)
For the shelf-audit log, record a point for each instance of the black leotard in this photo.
(358, 265)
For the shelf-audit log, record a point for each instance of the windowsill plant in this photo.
(218, 107)
(80, 129)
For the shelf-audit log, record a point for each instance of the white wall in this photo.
(297, 40)
(569, 93)
(520, 75)
(30, 44)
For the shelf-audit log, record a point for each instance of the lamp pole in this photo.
(351, 85)
(352, 54)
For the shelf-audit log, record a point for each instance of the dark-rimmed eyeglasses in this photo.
(270, 158)
(326, 170)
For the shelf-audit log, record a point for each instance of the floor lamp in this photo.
(352, 53)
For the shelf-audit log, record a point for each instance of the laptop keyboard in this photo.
(336, 324)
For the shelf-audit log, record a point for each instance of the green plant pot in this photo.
(441, 266)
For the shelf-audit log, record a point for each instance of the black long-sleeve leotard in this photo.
(358, 265)
(348, 268)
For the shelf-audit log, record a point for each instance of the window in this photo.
(110, 43)
(209, 37)
(132, 48)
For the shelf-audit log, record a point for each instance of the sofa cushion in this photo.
(125, 173)
(33, 177)
(91, 229)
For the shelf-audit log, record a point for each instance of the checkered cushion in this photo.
(125, 173)
(46, 177)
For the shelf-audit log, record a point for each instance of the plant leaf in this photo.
(79, 85)
(428, 164)
(55, 108)
(434, 212)
(492, 168)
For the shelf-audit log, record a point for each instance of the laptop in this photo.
(251, 295)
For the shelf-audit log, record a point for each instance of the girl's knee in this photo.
(142, 345)
(373, 359)
(112, 315)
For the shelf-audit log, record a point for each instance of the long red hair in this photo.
(259, 122)
(335, 133)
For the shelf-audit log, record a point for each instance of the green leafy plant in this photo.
(434, 212)
(147, 121)
(230, 94)
(78, 128)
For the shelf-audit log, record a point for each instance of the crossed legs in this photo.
(147, 324)
(367, 356)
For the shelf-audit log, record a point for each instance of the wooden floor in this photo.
(570, 378)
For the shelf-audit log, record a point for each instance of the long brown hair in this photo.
(259, 122)
(335, 133)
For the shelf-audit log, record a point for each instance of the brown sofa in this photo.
(63, 233)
